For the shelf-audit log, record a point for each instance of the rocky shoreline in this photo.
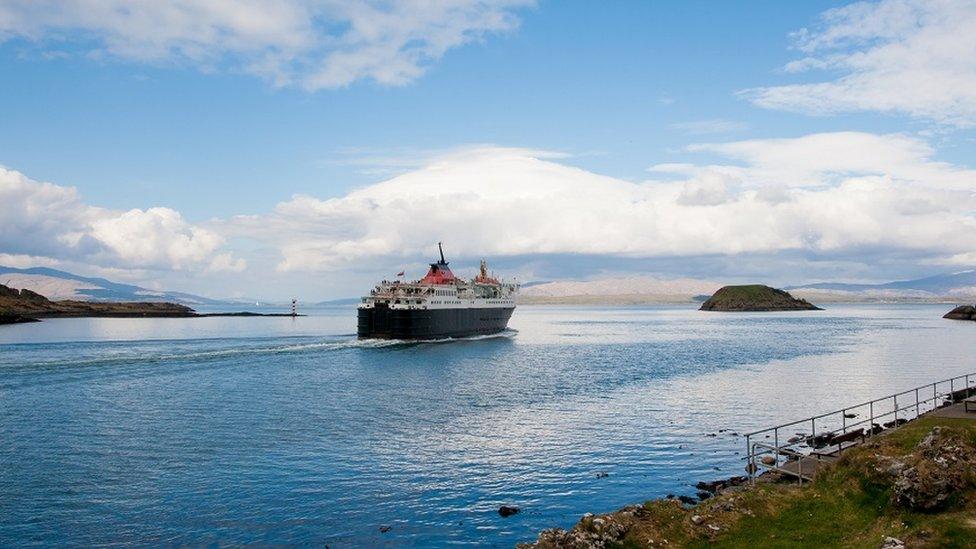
(16, 319)
(920, 475)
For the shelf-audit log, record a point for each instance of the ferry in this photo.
(439, 305)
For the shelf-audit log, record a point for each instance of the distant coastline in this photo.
(20, 306)
(656, 299)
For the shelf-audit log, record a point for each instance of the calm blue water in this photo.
(279, 430)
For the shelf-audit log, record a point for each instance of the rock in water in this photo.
(508, 510)
(962, 312)
(755, 297)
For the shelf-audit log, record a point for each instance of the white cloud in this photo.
(49, 223)
(313, 44)
(901, 56)
(786, 195)
(154, 237)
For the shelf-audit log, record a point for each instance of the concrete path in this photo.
(956, 411)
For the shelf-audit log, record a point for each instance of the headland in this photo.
(19, 306)
(911, 486)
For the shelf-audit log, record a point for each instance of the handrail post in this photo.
(918, 409)
(843, 420)
(871, 421)
(895, 398)
(952, 391)
(776, 443)
(750, 462)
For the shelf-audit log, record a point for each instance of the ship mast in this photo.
(441, 249)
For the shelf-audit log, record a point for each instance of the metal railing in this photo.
(839, 428)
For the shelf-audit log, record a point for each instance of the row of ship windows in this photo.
(441, 302)
(419, 301)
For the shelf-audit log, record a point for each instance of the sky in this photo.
(306, 148)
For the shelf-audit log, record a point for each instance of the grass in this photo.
(849, 505)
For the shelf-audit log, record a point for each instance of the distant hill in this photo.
(952, 285)
(58, 285)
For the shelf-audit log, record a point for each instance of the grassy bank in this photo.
(852, 503)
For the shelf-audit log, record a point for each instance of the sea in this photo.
(290, 431)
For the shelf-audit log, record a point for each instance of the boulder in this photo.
(892, 543)
(716, 486)
(508, 510)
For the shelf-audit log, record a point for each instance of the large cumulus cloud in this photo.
(823, 194)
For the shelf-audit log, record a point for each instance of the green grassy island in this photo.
(755, 297)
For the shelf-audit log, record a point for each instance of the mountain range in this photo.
(58, 285)
(618, 290)
(960, 284)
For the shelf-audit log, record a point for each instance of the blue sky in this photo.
(610, 88)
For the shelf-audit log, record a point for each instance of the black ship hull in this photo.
(386, 323)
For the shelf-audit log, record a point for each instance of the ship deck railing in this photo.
(790, 450)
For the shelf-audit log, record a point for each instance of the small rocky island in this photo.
(17, 306)
(755, 297)
(962, 312)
